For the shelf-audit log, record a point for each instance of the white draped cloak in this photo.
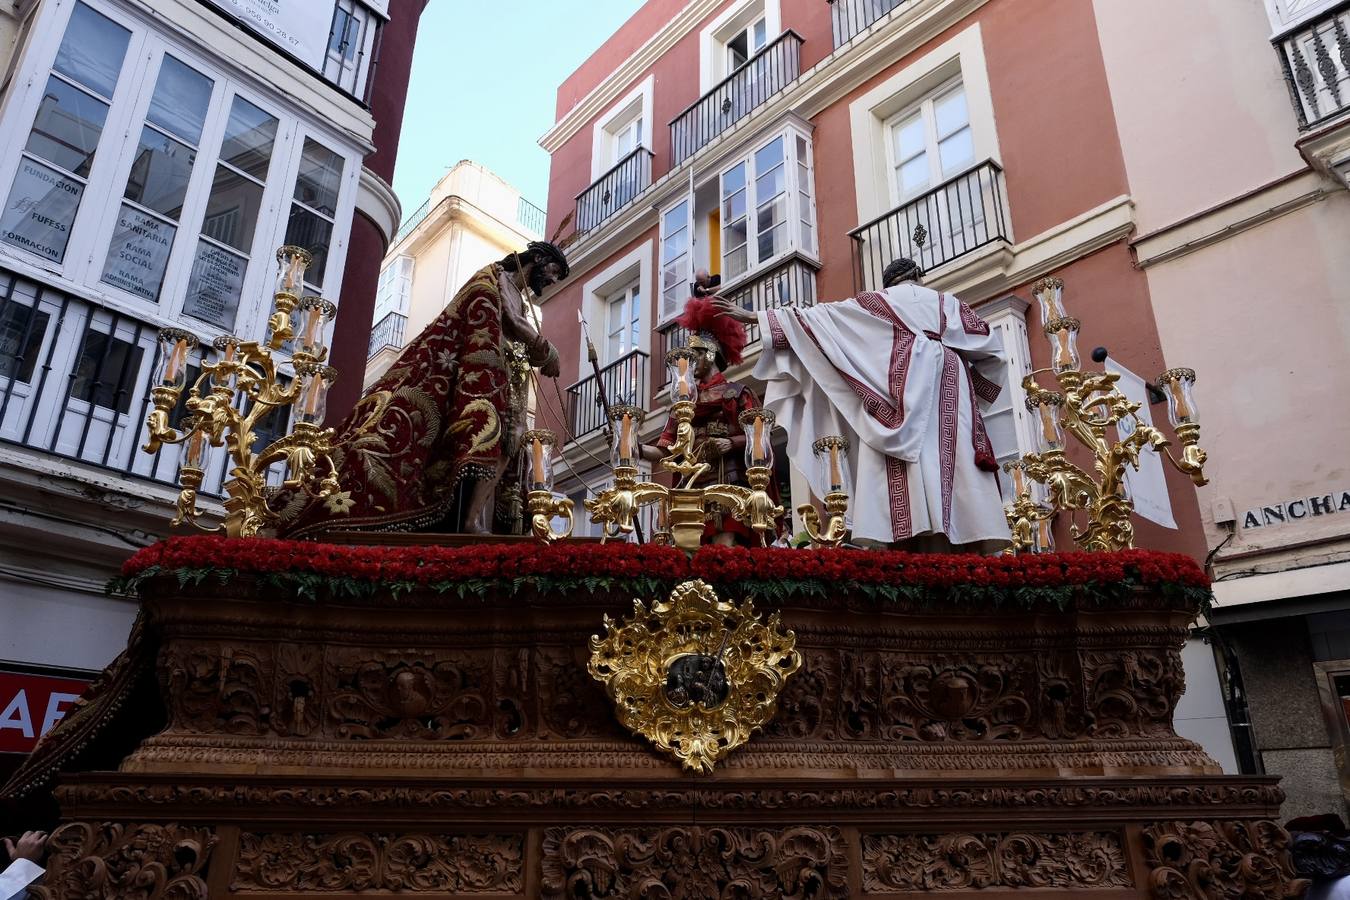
(891, 373)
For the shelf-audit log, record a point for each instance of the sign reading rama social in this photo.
(300, 27)
(30, 705)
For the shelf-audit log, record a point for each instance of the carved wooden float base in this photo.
(437, 747)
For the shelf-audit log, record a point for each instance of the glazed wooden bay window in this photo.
(750, 216)
(149, 175)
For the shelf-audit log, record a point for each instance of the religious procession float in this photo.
(333, 696)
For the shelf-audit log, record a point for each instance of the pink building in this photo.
(796, 146)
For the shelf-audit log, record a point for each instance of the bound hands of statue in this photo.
(733, 310)
(715, 448)
(29, 847)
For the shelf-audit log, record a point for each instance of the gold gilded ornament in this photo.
(695, 675)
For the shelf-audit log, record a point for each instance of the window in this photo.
(312, 213)
(141, 172)
(232, 210)
(765, 208)
(930, 143)
(1284, 13)
(744, 43)
(22, 329)
(394, 289)
(623, 322)
(675, 270)
(54, 168)
(158, 183)
(351, 41)
(107, 371)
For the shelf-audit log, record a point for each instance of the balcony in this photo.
(529, 217)
(1316, 61)
(389, 332)
(614, 190)
(74, 385)
(736, 96)
(850, 18)
(624, 381)
(955, 218)
(789, 283)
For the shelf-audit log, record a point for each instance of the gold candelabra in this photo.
(232, 395)
(685, 508)
(543, 506)
(1087, 404)
(831, 452)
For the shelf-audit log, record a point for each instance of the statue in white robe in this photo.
(892, 373)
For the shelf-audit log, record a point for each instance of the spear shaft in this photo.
(604, 402)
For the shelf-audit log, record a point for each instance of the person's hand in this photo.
(716, 447)
(29, 847)
(551, 367)
(733, 310)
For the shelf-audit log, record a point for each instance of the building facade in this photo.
(471, 218)
(153, 156)
(1241, 249)
(796, 146)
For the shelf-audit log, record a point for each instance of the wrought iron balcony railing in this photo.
(411, 222)
(388, 332)
(790, 283)
(736, 96)
(624, 380)
(614, 190)
(850, 18)
(1316, 61)
(74, 385)
(963, 214)
(530, 217)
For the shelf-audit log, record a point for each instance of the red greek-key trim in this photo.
(948, 403)
(778, 339)
(971, 322)
(983, 388)
(897, 484)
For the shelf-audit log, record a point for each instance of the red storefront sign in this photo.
(30, 705)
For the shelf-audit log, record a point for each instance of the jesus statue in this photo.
(891, 372)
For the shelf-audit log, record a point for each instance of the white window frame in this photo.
(352, 76)
(81, 269)
(627, 301)
(1284, 19)
(792, 221)
(687, 275)
(634, 268)
(926, 110)
(960, 57)
(393, 291)
(732, 21)
(637, 103)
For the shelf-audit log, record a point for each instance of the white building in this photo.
(153, 156)
(471, 218)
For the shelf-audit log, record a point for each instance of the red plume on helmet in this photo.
(702, 318)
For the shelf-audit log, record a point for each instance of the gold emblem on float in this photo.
(695, 675)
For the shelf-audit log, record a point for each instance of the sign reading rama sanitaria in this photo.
(300, 27)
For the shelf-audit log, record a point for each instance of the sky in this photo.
(484, 87)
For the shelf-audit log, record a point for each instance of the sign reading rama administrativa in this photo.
(300, 27)
(1297, 510)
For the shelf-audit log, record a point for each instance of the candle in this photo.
(625, 437)
(537, 461)
(292, 274)
(1019, 480)
(312, 395)
(311, 326)
(1044, 541)
(684, 377)
(1179, 396)
(836, 474)
(230, 350)
(1048, 433)
(1065, 358)
(176, 359)
(757, 452)
(196, 450)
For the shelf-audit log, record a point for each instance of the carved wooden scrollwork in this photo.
(116, 861)
(295, 862)
(693, 863)
(1199, 860)
(959, 862)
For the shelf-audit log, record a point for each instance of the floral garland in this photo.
(308, 569)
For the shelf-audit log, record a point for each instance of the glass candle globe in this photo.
(291, 265)
(539, 444)
(831, 452)
(758, 425)
(1179, 386)
(625, 421)
(174, 346)
(1045, 405)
